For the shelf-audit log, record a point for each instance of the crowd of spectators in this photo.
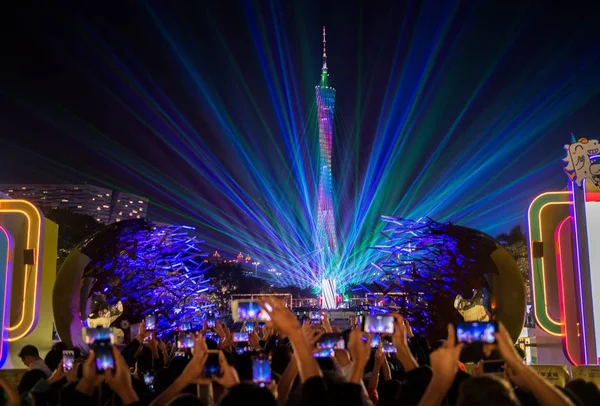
(416, 374)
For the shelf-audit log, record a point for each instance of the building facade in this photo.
(105, 205)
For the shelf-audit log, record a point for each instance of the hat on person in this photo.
(29, 350)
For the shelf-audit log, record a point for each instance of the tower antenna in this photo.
(324, 69)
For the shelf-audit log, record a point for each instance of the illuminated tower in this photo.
(327, 237)
(326, 214)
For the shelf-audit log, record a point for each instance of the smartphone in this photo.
(149, 380)
(247, 309)
(104, 355)
(185, 340)
(380, 323)
(180, 354)
(212, 336)
(241, 337)
(331, 340)
(91, 335)
(476, 332)
(315, 315)
(249, 327)
(211, 322)
(375, 341)
(261, 325)
(212, 366)
(150, 322)
(328, 353)
(242, 349)
(68, 360)
(185, 327)
(261, 370)
(493, 367)
(388, 348)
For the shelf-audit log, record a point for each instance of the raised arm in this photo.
(285, 321)
(526, 378)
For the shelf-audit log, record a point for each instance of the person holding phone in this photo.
(117, 378)
(444, 363)
(193, 374)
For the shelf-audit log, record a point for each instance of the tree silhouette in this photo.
(515, 242)
(73, 228)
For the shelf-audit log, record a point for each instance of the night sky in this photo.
(457, 110)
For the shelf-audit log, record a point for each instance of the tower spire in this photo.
(324, 69)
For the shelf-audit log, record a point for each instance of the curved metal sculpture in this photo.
(150, 269)
(425, 265)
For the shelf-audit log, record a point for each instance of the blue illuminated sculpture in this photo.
(150, 269)
(425, 265)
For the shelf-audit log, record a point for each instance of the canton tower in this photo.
(326, 214)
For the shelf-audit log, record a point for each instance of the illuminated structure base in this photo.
(328, 294)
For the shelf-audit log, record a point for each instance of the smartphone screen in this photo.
(331, 340)
(209, 335)
(315, 315)
(248, 310)
(211, 322)
(388, 348)
(186, 327)
(150, 322)
(375, 341)
(104, 356)
(476, 332)
(240, 337)
(241, 349)
(261, 370)
(149, 379)
(185, 340)
(91, 335)
(68, 360)
(212, 366)
(381, 323)
(180, 354)
(249, 327)
(329, 353)
(149, 336)
(134, 330)
(261, 324)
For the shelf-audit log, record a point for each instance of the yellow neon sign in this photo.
(29, 306)
(552, 326)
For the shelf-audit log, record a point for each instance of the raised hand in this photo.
(119, 379)
(229, 378)
(399, 338)
(326, 322)
(71, 375)
(409, 330)
(11, 396)
(195, 368)
(58, 374)
(444, 361)
(506, 347)
(380, 357)
(254, 341)
(281, 317)
(90, 379)
(359, 346)
(143, 333)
